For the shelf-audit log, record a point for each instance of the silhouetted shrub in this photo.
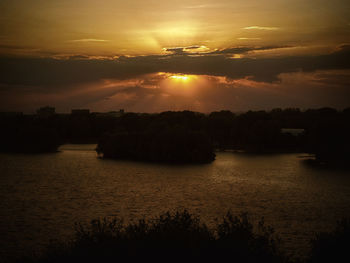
(238, 238)
(174, 237)
(332, 246)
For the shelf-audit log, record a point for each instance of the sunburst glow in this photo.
(180, 77)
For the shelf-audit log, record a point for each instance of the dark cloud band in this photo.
(51, 72)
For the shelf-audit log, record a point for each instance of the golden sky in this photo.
(139, 27)
(157, 55)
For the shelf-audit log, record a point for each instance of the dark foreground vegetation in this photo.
(185, 136)
(178, 237)
(332, 246)
(181, 237)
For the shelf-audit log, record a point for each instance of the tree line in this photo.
(325, 131)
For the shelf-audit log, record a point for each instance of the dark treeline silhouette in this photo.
(326, 133)
(328, 137)
(24, 135)
(172, 145)
(32, 134)
(181, 237)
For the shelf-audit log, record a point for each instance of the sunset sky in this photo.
(152, 56)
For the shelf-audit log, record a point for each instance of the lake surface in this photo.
(41, 196)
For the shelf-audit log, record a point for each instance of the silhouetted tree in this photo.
(326, 131)
(173, 145)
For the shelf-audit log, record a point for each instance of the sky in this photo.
(152, 56)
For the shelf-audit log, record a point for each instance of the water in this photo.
(41, 196)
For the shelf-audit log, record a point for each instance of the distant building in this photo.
(116, 113)
(45, 112)
(80, 112)
(294, 132)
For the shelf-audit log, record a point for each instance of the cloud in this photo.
(88, 40)
(12, 46)
(51, 72)
(203, 50)
(197, 6)
(243, 50)
(176, 50)
(209, 93)
(186, 50)
(260, 28)
(204, 6)
(249, 38)
(155, 92)
(18, 47)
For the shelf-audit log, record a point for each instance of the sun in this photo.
(179, 82)
(183, 78)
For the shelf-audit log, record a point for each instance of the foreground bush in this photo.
(181, 237)
(178, 237)
(332, 246)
